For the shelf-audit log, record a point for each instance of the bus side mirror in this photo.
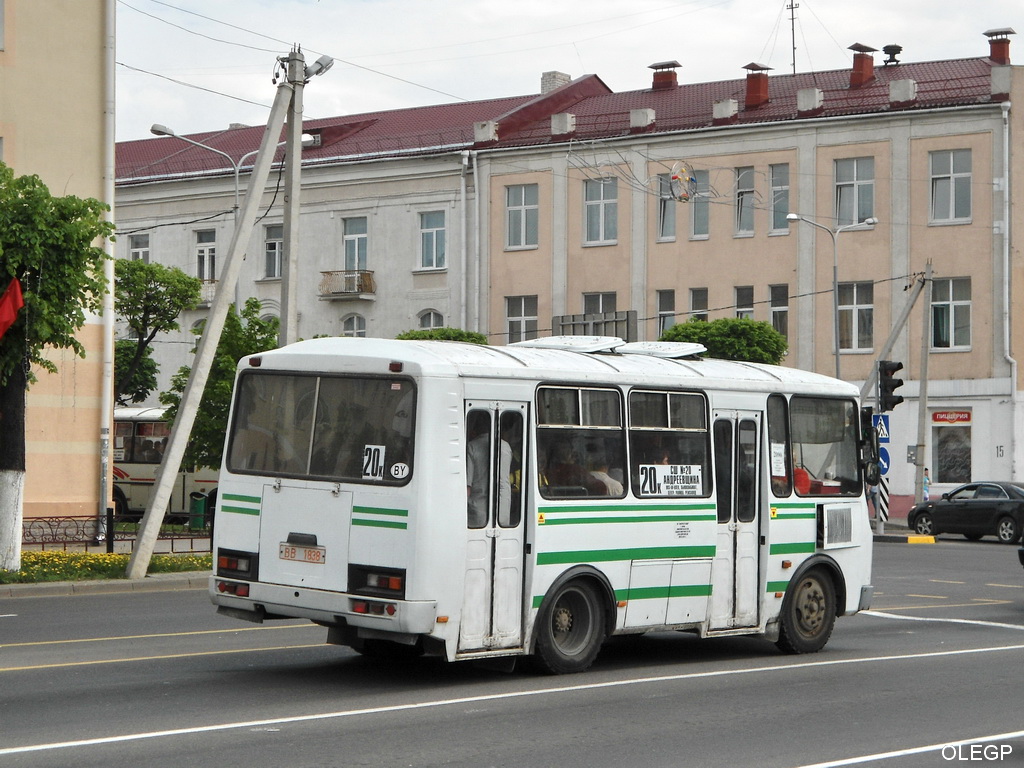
(869, 459)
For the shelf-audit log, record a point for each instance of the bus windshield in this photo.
(825, 435)
(356, 429)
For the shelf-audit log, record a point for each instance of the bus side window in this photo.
(478, 461)
(780, 451)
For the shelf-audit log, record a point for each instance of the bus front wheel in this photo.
(571, 629)
(808, 613)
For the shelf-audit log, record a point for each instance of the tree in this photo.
(53, 247)
(149, 298)
(444, 334)
(733, 338)
(134, 386)
(243, 335)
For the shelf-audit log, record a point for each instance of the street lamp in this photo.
(163, 130)
(833, 233)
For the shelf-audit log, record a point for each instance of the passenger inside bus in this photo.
(565, 476)
(599, 464)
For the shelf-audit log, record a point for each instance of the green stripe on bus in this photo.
(380, 523)
(796, 516)
(608, 555)
(239, 510)
(610, 508)
(795, 548)
(239, 497)
(777, 586)
(652, 519)
(380, 511)
(678, 590)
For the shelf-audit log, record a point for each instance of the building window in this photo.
(780, 196)
(432, 240)
(856, 316)
(779, 301)
(353, 325)
(855, 190)
(951, 185)
(602, 208)
(699, 304)
(598, 303)
(355, 241)
(951, 313)
(666, 310)
(745, 301)
(273, 247)
(521, 216)
(666, 208)
(700, 205)
(745, 200)
(521, 318)
(431, 318)
(206, 254)
(138, 248)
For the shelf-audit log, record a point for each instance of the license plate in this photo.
(315, 555)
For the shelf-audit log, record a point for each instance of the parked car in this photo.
(975, 510)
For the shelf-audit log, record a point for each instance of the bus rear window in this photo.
(355, 429)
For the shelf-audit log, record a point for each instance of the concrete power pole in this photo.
(149, 529)
(289, 331)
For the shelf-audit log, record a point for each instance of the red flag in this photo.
(10, 303)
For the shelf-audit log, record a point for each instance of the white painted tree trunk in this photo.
(12, 487)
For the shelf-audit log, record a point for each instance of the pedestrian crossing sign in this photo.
(881, 424)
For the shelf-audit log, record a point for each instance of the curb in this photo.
(157, 582)
(904, 538)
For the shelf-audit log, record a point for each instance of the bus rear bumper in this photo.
(272, 601)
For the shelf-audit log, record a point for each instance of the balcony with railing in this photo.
(207, 292)
(342, 284)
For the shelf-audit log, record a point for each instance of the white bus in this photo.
(473, 502)
(140, 435)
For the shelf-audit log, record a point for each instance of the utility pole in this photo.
(922, 396)
(296, 76)
(792, 29)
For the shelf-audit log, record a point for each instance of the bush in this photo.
(78, 566)
(444, 334)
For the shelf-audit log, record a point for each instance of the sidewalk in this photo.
(157, 582)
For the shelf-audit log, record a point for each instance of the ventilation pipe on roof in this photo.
(999, 45)
(891, 52)
(757, 85)
(863, 71)
(550, 81)
(664, 75)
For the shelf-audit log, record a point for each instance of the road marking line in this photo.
(1007, 586)
(974, 622)
(945, 581)
(916, 750)
(7, 615)
(437, 703)
(161, 634)
(947, 605)
(931, 597)
(156, 658)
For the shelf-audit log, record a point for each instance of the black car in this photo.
(975, 510)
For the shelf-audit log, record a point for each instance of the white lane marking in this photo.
(7, 615)
(996, 624)
(918, 750)
(799, 666)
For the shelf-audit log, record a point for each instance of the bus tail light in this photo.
(236, 564)
(377, 582)
(373, 608)
(233, 588)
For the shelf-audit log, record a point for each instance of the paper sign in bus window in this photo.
(671, 480)
(373, 462)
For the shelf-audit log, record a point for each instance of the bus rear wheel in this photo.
(571, 629)
(808, 613)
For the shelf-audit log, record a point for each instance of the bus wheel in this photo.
(121, 513)
(571, 629)
(808, 613)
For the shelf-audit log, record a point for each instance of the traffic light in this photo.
(887, 385)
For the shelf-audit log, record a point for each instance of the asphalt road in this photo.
(158, 679)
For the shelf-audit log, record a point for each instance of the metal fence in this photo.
(90, 534)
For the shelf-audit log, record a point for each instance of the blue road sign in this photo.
(883, 460)
(881, 424)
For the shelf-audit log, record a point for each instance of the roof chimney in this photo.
(863, 65)
(664, 75)
(757, 85)
(999, 45)
(549, 81)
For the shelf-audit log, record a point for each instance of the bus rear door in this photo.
(492, 611)
(735, 572)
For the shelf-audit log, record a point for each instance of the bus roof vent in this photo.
(574, 343)
(672, 349)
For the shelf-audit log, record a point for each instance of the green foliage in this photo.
(53, 245)
(135, 385)
(243, 335)
(444, 334)
(77, 566)
(733, 338)
(149, 298)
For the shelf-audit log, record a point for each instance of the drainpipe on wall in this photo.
(107, 378)
(463, 231)
(1006, 290)
(476, 248)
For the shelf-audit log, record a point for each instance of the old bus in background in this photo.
(472, 502)
(140, 436)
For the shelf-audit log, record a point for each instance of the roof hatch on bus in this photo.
(669, 349)
(587, 344)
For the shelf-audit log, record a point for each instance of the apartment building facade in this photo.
(559, 213)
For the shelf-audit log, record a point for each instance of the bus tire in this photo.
(121, 513)
(808, 613)
(570, 628)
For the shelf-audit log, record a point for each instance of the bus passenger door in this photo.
(735, 573)
(492, 610)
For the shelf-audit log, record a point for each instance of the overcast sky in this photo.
(200, 65)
